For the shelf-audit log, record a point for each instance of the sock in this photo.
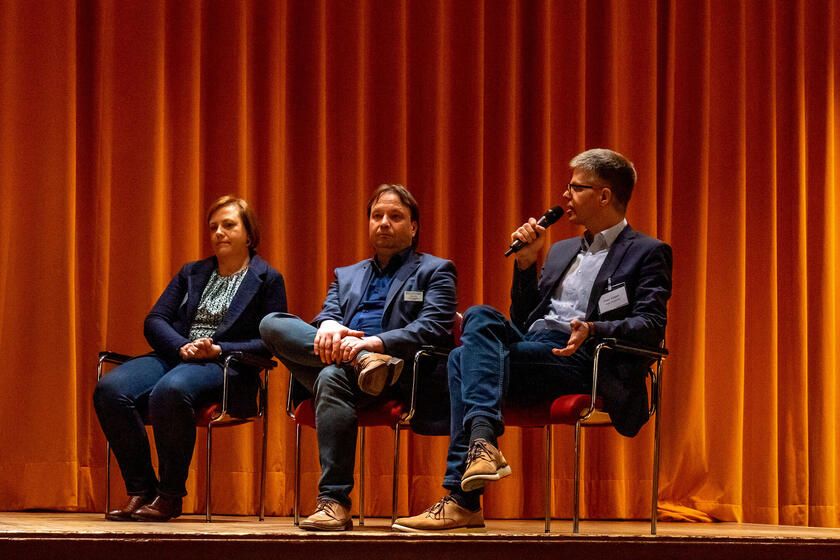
(467, 500)
(482, 427)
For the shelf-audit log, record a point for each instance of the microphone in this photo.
(551, 215)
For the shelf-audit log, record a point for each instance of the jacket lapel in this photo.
(403, 274)
(611, 263)
(555, 273)
(357, 291)
(551, 274)
(244, 294)
(197, 280)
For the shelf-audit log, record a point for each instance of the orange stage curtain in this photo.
(121, 120)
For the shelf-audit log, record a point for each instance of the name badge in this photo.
(412, 296)
(613, 299)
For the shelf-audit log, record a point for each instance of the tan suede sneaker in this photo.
(376, 370)
(328, 516)
(484, 463)
(444, 516)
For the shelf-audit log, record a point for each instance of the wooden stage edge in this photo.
(88, 535)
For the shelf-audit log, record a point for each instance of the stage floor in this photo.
(88, 535)
(94, 524)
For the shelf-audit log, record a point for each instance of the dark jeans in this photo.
(337, 397)
(497, 363)
(172, 395)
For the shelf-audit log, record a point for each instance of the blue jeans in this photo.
(171, 395)
(497, 363)
(337, 397)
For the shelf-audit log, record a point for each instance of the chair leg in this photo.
(548, 478)
(264, 461)
(297, 475)
(655, 482)
(209, 463)
(576, 519)
(107, 477)
(396, 468)
(362, 478)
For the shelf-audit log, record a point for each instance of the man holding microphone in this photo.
(611, 282)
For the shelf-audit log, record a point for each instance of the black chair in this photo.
(212, 416)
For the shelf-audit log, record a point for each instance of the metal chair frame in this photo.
(220, 420)
(594, 417)
(403, 423)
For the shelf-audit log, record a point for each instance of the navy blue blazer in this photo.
(261, 292)
(644, 265)
(407, 324)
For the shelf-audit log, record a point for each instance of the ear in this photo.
(606, 196)
(413, 229)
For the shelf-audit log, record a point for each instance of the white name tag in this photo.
(413, 296)
(615, 298)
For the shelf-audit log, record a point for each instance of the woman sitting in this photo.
(211, 307)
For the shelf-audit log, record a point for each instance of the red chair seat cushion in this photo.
(385, 413)
(562, 410)
(204, 415)
(569, 408)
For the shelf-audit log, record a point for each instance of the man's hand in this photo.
(200, 349)
(351, 345)
(580, 332)
(327, 343)
(534, 237)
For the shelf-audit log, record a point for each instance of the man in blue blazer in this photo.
(611, 282)
(377, 314)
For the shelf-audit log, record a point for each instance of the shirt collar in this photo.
(604, 239)
(395, 263)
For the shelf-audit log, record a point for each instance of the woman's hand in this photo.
(200, 349)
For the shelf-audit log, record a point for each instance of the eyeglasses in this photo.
(580, 188)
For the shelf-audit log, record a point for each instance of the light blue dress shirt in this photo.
(571, 297)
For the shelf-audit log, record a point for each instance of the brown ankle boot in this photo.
(377, 370)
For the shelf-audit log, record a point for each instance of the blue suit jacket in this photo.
(261, 292)
(406, 325)
(643, 264)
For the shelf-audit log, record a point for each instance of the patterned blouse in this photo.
(214, 303)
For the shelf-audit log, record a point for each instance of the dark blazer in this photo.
(406, 325)
(261, 292)
(643, 264)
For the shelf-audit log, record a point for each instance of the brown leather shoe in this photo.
(328, 516)
(132, 505)
(445, 516)
(484, 463)
(376, 370)
(162, 508)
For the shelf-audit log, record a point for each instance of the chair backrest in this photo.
(456, 328)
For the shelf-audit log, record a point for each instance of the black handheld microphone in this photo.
(551, 215)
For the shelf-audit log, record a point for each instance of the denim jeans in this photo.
(497, 363)
(337, 397)
(172, 394)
